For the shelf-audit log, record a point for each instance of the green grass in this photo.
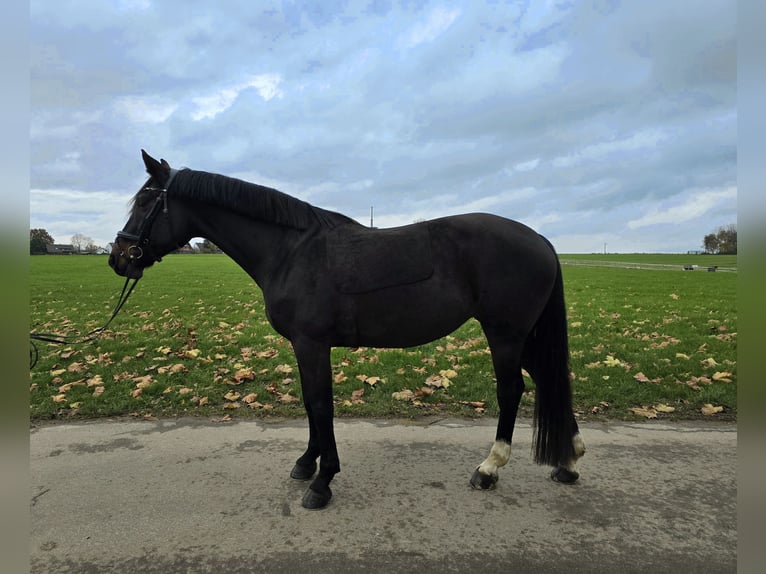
(194, 332)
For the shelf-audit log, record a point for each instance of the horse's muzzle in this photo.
(126, 262)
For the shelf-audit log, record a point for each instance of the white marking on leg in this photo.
(498, 456)
(579, 449)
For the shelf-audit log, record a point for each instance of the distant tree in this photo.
(38, 240)
(710, 243)
(722, 242)
(208, 246)
(83, 243)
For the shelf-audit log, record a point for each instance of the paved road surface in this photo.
(195, 496)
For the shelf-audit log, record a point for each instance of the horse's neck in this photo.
(258, 247)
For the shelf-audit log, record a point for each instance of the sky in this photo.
(604, 125)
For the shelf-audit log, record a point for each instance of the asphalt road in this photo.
(196, 496)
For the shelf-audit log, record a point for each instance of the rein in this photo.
(133, 253)
(127, 289)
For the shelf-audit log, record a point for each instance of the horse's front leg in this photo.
(316, 383)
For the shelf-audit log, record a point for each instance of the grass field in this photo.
(193, 340)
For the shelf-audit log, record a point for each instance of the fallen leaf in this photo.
(372, 381)
(192, 353)
(709, 363)
(136, 393)
(448, 373)
(76, 368)
(708, 409)
(173, 369)
(662, 408)
(722, 376)
(340, 378)
(647, 412)
(405, 395)
(94, 381)
(641, 378)
(284, 369)
(231, 405)
(287, 398)
(267, 354)
(143, 381)
(437, 381)
(98, 391)
(243, 375)
(356, 396)
(250, 398)
(610, 361)
(231, 396)
(682, 356)
(61, 398)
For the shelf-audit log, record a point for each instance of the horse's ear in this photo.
(159, 171)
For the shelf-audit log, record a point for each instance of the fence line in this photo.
(637, 265)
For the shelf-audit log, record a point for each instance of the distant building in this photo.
(59, 249)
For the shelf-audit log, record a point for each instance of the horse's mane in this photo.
(257, 201)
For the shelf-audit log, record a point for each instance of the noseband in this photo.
(141, 240)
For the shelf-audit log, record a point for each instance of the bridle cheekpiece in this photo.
(140, 241)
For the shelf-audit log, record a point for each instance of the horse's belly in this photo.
(407, 324)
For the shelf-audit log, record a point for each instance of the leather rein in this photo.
(133, 253)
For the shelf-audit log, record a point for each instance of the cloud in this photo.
(602, 151)
(611, 115)
(696, 204)
(208, 107)
(439, 20)
(145, 110)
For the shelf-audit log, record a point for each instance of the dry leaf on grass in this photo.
(405, 395)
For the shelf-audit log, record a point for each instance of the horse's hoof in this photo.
(300, 472)
(481, 481)
(561, 474)
(314, 500)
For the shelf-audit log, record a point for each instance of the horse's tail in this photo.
(546, 358)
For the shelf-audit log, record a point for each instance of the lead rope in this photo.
(91, 336)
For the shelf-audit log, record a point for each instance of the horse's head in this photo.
(149, 233)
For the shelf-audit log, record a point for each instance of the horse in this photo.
(328, 281)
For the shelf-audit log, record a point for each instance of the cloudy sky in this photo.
(601, 123)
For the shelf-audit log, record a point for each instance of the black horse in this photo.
(328, 281)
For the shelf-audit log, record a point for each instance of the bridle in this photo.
(133, 253)
(141, 241)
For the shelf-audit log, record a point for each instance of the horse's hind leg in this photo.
(506, 358)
